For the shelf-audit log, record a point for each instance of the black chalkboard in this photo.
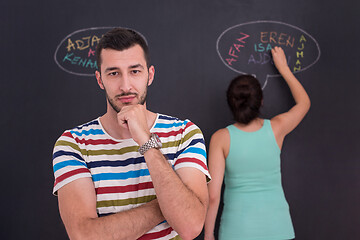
(197, 47)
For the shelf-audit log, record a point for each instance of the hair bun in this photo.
(244, 97)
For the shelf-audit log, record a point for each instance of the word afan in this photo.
(235, 48)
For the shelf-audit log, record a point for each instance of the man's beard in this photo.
(116, 108)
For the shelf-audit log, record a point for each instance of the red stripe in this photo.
(156, 235)
(123, 189)
(169, 134)
(89, 141)
(67, 134)
(95, 142)
(70, 174)
(189, 124)
(174, 133)
(193, 160)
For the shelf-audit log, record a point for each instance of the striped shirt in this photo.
(119, 172)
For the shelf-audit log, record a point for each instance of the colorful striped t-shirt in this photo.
(120, 174)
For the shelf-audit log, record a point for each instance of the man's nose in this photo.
(125, 83)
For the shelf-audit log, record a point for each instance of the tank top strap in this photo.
(267, 123)
(267, 126)
(270, 133)
(231, 128)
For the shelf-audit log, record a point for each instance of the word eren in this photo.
(279, 39)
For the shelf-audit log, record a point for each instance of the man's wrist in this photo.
(153, 142)
(145, 139)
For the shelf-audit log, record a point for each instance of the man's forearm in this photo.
(182, 208)
(130, 224)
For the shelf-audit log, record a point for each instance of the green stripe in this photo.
(176, 238)
(191, 134)
(98, 152)
(184, 139)
(124, 202)
(171, 144)
(66, 143)
(113, 151)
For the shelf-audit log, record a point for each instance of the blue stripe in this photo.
(63, 164)
(120, 176)
(62, 153)
(195, 150)
(95, 122)
(88, 132)
(170, 125)
(121, 163)
(192, 143)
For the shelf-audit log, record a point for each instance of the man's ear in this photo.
(151, 74)
(99, 81)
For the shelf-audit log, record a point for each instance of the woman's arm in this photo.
(218, 150)
(284, 123)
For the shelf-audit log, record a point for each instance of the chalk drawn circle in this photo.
(224, 40)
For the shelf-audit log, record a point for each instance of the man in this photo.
(130, 173)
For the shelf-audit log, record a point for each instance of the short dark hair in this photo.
(121, 39)
(244, 96)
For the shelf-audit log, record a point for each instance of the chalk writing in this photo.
(84, 62)
(235, 48)
(300, 53)
(263, 58)
(281, 39)
(83, 43)
(245, 48)
(91, 52)
(260, 47)
(76, 52)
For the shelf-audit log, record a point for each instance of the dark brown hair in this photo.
(121, 39)
(244, 96)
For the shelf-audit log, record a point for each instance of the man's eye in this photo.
(113, 74)
(135, 71)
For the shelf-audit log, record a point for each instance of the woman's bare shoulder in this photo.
(220, 134)
(220, 140)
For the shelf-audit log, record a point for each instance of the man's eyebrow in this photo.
(136, 66)
(111, 69)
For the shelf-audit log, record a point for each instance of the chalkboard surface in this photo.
(197, 47)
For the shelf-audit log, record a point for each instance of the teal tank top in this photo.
(255, 207)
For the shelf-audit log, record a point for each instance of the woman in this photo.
(248, 154)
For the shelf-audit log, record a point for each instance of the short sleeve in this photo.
(192, 150)
(68, 161)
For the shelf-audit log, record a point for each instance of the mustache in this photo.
(126, 94)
